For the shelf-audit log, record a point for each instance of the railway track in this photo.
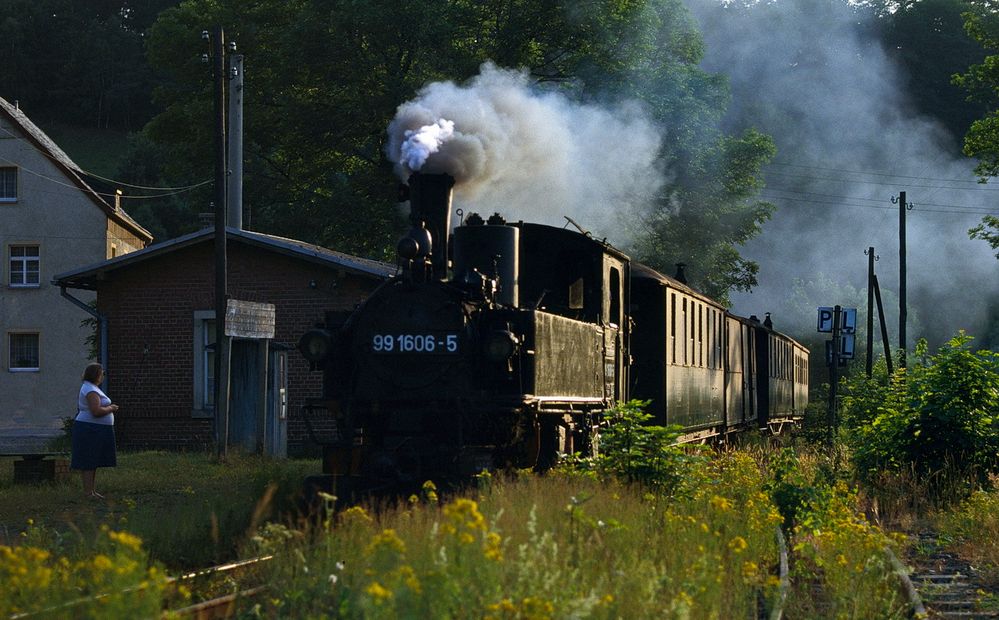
(222, 588)
(948, 586)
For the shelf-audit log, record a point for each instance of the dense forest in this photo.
(324, 80)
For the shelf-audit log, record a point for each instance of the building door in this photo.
(276, 441)
(247, 389)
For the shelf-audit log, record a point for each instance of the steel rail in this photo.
(785, 577)
(213, 570)
(915, 601)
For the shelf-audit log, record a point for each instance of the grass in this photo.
(189, 510)
(973, 529)
(528, 547)
(569, 544)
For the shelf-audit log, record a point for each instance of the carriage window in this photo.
(615, 297)
(700, 335)
(672, 327)
(576, 295)
(683, 323)
(709, 343)
(693, 334)
(714, 339)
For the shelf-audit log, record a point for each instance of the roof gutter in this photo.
(102, 322)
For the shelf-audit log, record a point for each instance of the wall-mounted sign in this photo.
(248, 319)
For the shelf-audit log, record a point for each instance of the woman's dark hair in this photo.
(92, 372)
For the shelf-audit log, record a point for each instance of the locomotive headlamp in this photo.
(408, 248)
(316, 345)
(500, 345)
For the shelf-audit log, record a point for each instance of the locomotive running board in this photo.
(566, 404)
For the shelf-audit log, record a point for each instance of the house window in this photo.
(23, 352)
(8, 184)
(24, 265)
(204, 363)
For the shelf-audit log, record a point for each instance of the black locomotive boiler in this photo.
(502, 343)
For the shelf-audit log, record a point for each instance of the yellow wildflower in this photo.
(126, 540)
(103, 563)
(738, 544)
(387, 540)
(721, 503)
(355, 514)
(378, 592)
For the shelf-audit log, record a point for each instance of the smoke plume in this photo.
(815, 76)
(528, 153)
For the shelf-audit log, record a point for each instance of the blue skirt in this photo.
(93, 446)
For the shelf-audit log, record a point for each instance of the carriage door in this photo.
(749, 376)
(764, 372)
(614, 375)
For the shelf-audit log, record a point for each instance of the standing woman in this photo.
(93, 429)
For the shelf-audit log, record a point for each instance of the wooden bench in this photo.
(35, 467)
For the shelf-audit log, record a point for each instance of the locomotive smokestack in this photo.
(430, 203)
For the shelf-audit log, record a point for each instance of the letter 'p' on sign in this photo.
(826, 320)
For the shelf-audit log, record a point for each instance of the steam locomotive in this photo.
(502, 344)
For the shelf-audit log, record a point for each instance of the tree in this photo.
(78, 62)
(927, 38)
(988, 231)
(325, 79)
(980, 82)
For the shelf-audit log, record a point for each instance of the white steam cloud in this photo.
(530, 154)
(815, 76)
(424, 142)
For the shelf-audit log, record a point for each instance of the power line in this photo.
(877, 174)
(170, 190)
(920, 205)
(103, 194)
(884, 183)
(839, 203)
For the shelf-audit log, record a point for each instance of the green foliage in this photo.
(927, 38)
(113, 580)
(973, 526)
(938, 414)
(790, 487)
(208, 505)
(987, 231)
(78, 62)
(324, 80)
(633, 451)
(541, 547)
(837, 547)
(980, 81)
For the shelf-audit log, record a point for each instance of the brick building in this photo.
(158, 305)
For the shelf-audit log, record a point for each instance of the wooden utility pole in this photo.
(834, 374)
(902, 310)
(870, 311)
(884, 328)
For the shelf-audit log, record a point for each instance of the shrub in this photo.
(938, 415)
(634, 451)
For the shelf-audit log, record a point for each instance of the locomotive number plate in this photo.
(432, 343)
